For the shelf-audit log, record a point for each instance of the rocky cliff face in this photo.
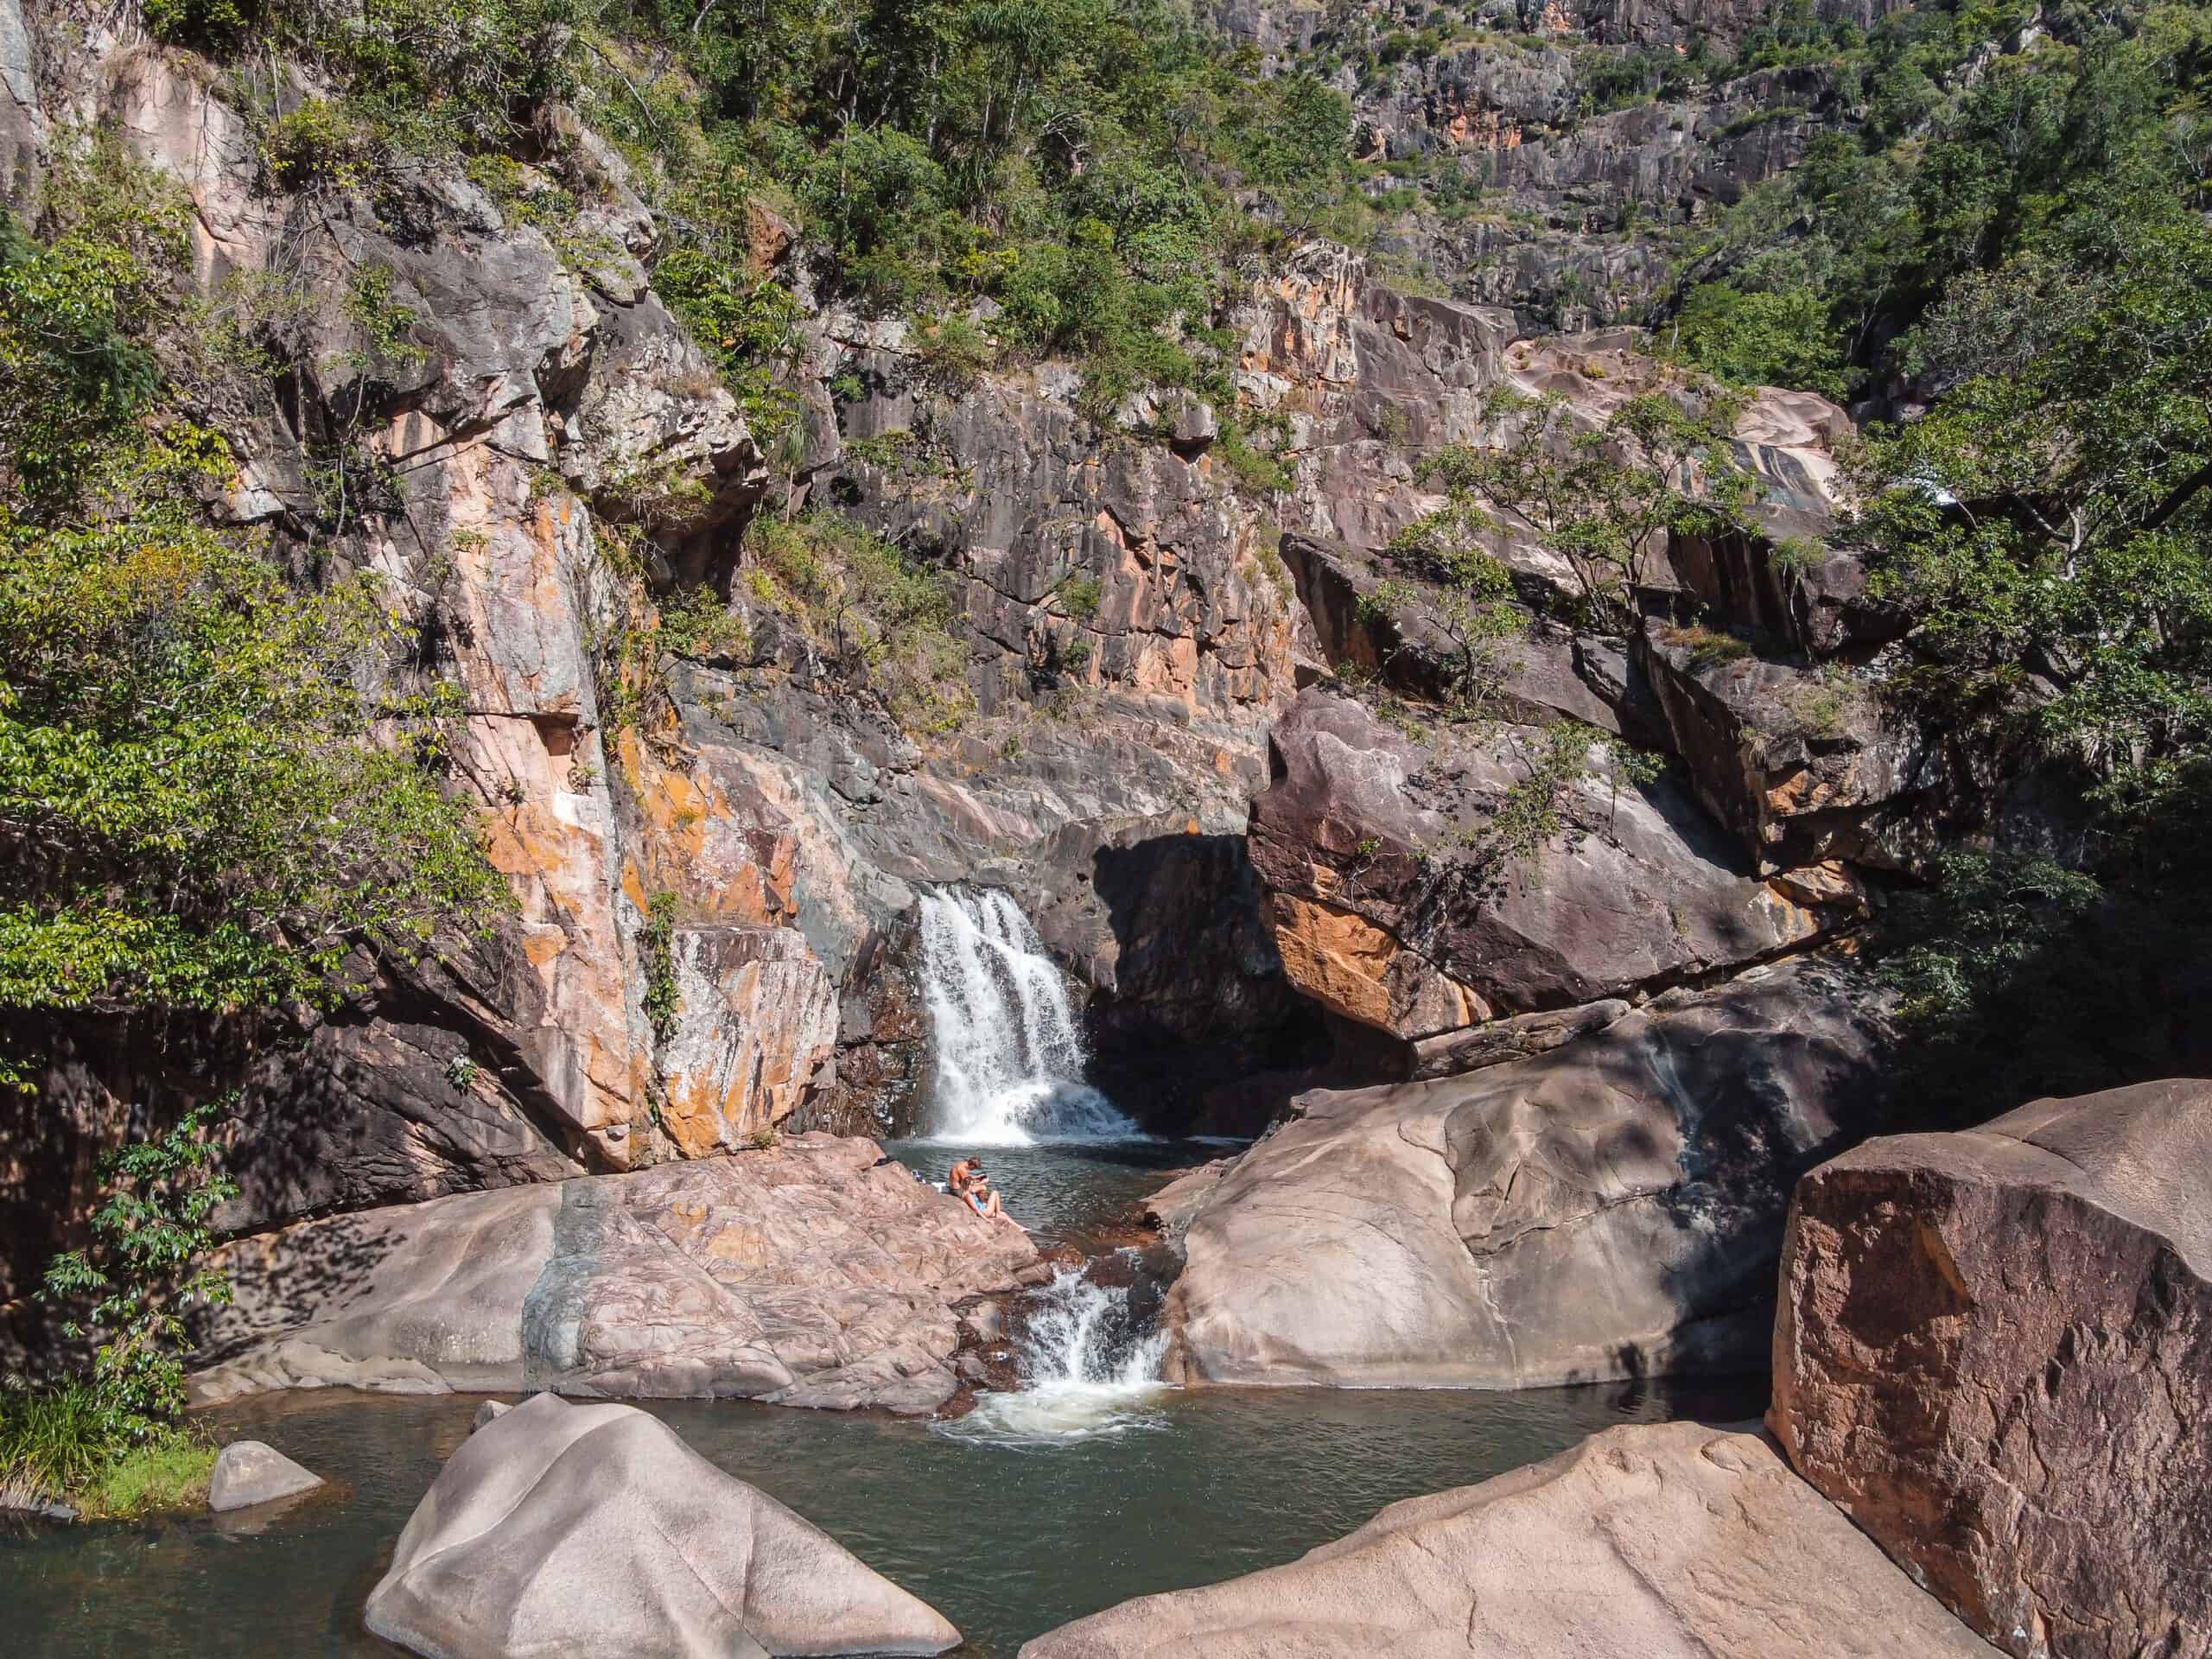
(716, 853)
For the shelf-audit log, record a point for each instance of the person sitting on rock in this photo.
(968, 1183)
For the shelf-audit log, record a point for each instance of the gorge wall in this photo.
(1193, 707)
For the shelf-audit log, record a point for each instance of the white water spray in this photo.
(1009, 1058)
(1086, 1370)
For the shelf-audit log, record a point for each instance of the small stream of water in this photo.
(1090, 1486)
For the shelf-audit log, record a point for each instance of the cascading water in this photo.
(1088, 1368)
(1009, 1058)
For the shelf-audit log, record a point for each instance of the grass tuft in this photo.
(57, 1445)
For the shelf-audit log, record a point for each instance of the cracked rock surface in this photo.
(1995, 1350)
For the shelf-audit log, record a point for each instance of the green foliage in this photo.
(319, 143)
(700, 625)
(1533, 810)
(1758, 339)
(1707, 647)
(1603, 498)
(1979, 139)
(887, 624)
(1079, 596)
(2048, 526)
(663, 998)
(142, 1273)
(428, 77)
(167, 1474)
(191, 815)
(1463, 593)
(747, 326)
(2020, 978)
(56, 1444)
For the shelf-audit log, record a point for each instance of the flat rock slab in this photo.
(1614, 1208)
(559, 1530)
(248, 1472)
(812, 1274)
(1995, 1350)
(1669, 1542)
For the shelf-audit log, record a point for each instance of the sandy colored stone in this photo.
(813, 1273)
(573, 1532)
(1995, 1352)
(1669, 1541)
(249, 1473)
(1613, 1207)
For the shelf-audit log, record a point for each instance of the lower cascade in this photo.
(1089, 1367)
(1008, 1055)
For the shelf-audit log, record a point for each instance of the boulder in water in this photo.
(572, 1532)
(1672, 1541)
(1995, 1350)
(1419, 1235)
(248, 1472)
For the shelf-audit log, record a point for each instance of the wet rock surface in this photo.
(1677, 1542)
(809, 1274)
(1995, 1352)
(1612, 1209)
(558, 1529)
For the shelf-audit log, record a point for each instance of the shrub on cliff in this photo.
(191, 814)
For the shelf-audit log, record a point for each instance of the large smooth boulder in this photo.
(1995, 1352)
(1390, 908)
(1613, 1207)
(1669, 1542)
(811, 1273)
(569, 1532)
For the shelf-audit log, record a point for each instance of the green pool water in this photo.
(1007, 1536)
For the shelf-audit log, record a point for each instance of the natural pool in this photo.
(1007, 1536)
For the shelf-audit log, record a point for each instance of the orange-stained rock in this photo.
(1995, 1353)
(757, 1018)
(1346, 963)
(1391, 905)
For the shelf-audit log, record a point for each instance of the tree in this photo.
(1465, 594)
(2049, 524)
(1600, 499)
(142, 1273)
(213, 784)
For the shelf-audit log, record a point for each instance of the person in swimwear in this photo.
(967, 1182)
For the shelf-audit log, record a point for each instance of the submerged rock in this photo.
(808, 1274)
(561, 1530)
(249, 1473)
(1995, 1351)
(1668, 1541)
(1613, 1208)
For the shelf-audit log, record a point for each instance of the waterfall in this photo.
(1009, 1058)
(1088, 1368)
